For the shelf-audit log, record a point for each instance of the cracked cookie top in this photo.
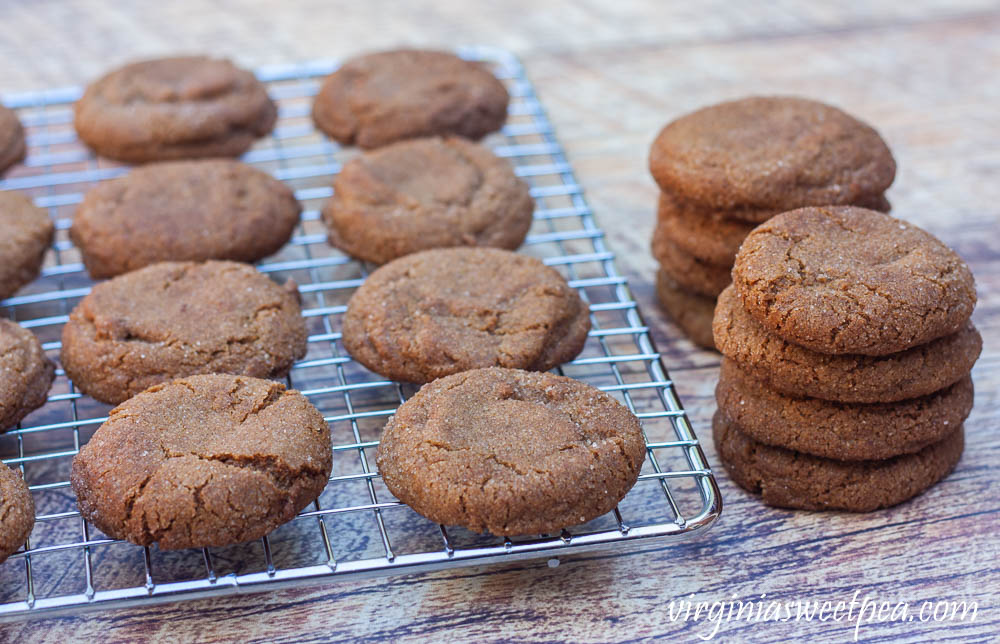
(183, 211)
(208, 460)
(25, 373)
(438, 312)
(849, 280)
(510, 452)
(176, 319)
(380, 98)
(12, 144)
(771, 152)
(174, 108)
(17, 511)
(426, 193)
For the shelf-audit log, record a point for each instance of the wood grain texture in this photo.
(923, 72)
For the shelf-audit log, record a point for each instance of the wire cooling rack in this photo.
(356, 527)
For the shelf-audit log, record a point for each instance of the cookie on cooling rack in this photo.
(846, 280)
(438, 312)
(183, 210)
(426, 193)
(27, 234)
(25, 373)
(380, 98)
(510, 452)
(176, 319)
(17, 511)
(13, 147)
(797, 371)
(209, 460)
(790, 479)
(174, 108)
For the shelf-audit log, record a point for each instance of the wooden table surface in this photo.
(926, 73)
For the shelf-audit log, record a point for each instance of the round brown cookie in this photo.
(846, 432)
(208, 460)
(27, 234)
(438, 312)
(788, 479)
(692, 312)
(771, 152)
(687, 270)
(380, 98)
(25, 373)
(797, 371)
(17, 512)
(510, 452)
(174, 108)
(183, 210)
(710, 236)
(176, 319)
(13, 147)
(426, 193)
(848, 280)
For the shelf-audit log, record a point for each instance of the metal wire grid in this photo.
(356, 527)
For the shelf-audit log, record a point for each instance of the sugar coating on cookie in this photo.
(788, 479)
(183, 210)
(176, 319)
(13, 146)
(692, 312)
(17, 511)
(841, 431)
(426, 193)
(798, 371)
(208, 460)
(25, 373)
(510, 452)
(27, 232)
(710, 236)
(380, 98)
(174, 108)
(850, 280)
(771, 152)
(438, 312)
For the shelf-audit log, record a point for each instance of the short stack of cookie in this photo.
(847, 352)
(728, 167)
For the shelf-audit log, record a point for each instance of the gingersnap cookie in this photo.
(692, 312)
(848, 280)
(771, 152)
(426, 193)
(25, 373)
(844, 432)
(438, 312)
(176, 319)
(13, 147)
(710, 236)
(27, 233)
(183, 210)
(17, 512)
(380, 98)
(510, 452)
(788, 479)
(207, 460)
(688, 271)
(174, 108)
(797, 371)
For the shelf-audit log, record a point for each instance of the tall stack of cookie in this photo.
(848, 348)
(726, 168)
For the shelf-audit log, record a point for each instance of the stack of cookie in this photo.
(848, 348)
(726, 168)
